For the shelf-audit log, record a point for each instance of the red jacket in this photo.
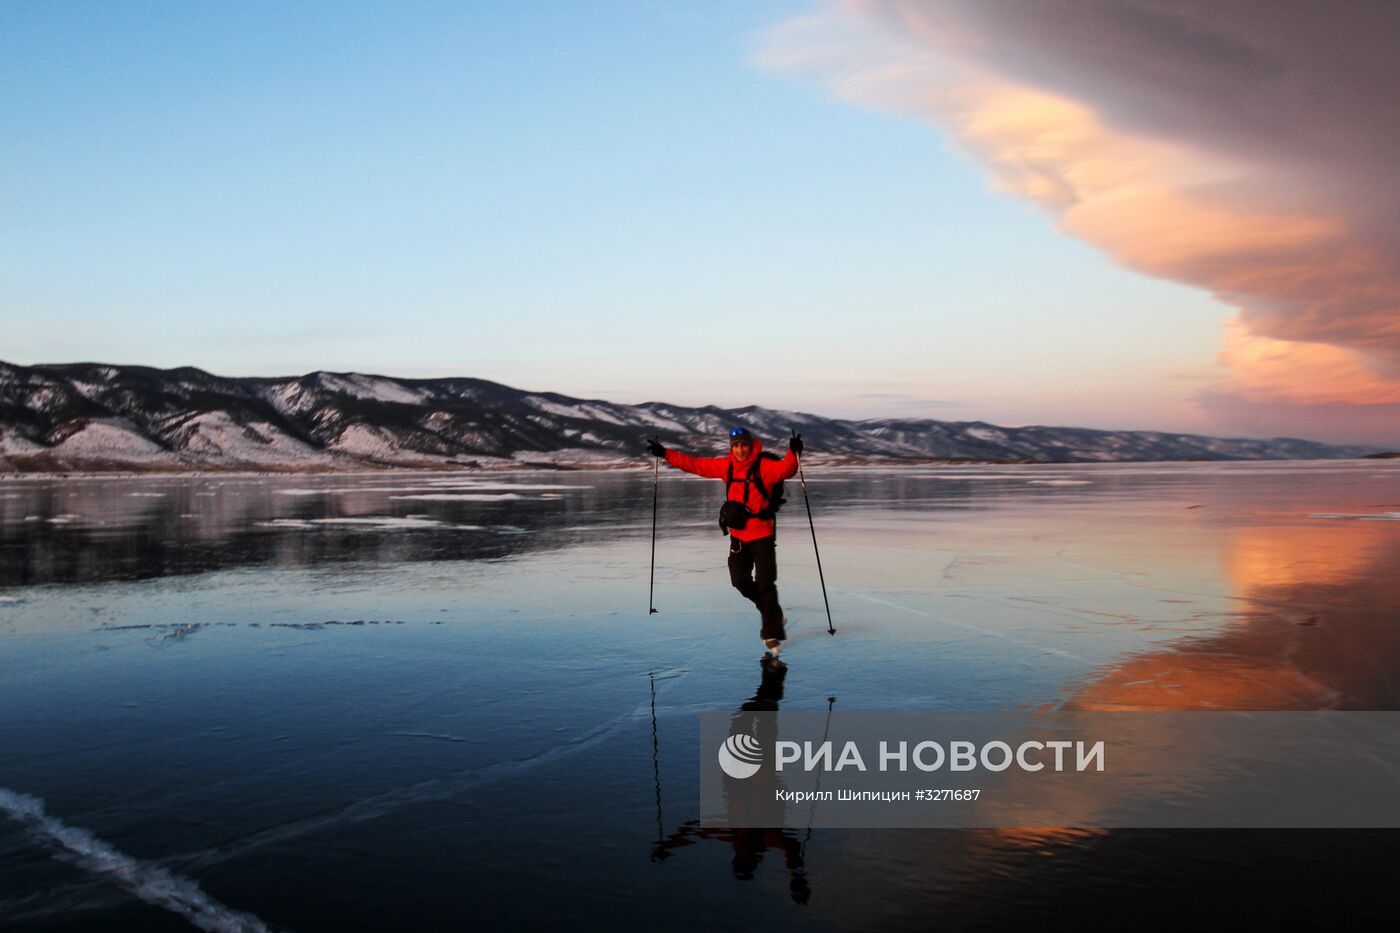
(771, 471)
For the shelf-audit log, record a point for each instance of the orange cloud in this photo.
(1266, 369)
(1152, 173)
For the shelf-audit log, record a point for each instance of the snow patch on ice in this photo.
(1057, 482)
(1367, 517)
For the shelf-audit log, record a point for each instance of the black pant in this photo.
(753, 569)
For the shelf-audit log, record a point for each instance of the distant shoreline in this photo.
(838, 462)
(636, 464)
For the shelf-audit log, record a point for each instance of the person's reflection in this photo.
(770, 688)
(750, 844)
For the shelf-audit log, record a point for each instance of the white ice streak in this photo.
(150, 883)
(378, 522)
(482, 486)
(433, 487)
(461, 496)
(1366, 517)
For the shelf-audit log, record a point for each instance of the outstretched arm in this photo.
(711, 467)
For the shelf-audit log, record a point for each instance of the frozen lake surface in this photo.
(425, 702)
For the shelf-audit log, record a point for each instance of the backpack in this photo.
(736, 513)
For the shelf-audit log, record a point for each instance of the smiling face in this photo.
(741, 449)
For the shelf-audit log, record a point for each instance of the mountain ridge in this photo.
(102, 417)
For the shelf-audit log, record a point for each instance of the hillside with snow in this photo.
(97, 417)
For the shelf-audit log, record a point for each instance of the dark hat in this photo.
(739, 434)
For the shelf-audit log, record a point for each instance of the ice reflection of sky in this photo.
(344, 710)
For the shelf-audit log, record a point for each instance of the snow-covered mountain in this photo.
(90, 416)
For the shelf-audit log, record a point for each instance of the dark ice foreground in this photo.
(423, 702)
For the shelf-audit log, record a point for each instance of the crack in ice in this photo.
(150, 883)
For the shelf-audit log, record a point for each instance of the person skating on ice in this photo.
(749, 517)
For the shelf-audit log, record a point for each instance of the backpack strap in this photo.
(756, 477)
(770, 507)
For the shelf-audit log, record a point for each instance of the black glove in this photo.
(795, 443)
(654, 447)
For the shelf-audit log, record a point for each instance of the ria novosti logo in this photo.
(740, 756)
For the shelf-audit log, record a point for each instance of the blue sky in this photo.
(606, 200)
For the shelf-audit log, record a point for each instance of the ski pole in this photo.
(651, 595)
(830, 629)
